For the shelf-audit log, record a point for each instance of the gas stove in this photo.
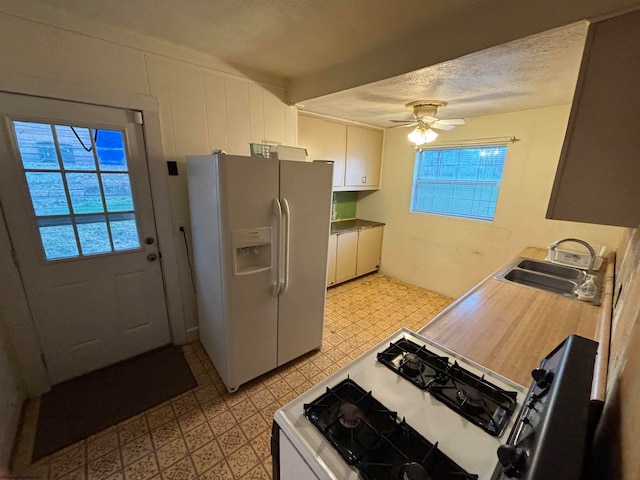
(374, 439)
(440, 423)
(411, 409)
(475, 398)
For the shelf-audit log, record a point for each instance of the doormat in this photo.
(82, 406)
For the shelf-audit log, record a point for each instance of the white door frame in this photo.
(14, 308)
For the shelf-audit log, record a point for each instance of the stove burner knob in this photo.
(542, 377)
(513, 459)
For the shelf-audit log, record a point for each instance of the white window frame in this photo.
(494, 184)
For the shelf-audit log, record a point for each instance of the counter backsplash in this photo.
(343, 205)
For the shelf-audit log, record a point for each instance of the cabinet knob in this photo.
(364, 179)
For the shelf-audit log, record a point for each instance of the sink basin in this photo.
(552, 278)
(548, 283)
(569, 273)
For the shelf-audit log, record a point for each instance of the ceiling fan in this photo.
(424, 112)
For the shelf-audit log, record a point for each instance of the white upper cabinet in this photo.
(355, 150)
(324, 140)
(364, 157)
(598, 177)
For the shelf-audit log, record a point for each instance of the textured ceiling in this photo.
(284, 38)
(536, 71)
(292, 39)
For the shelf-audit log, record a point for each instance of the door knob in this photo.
(149, 240)
(152, 257)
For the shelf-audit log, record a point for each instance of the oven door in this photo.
(287, 462)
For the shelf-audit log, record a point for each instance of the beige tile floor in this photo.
(207, 433)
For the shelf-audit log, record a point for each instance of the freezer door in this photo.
(305, 194)
(249, 233)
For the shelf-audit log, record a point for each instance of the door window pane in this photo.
(124, 232)
(94, 236)
(60, 165)
(110, 150)
(36, 145)
(58, 238)
(117, 192)
(75, 147)
(47, 193)
(84, 191)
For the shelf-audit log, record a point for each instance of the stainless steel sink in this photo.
(548, 283)
(552, 278)
(573, 274)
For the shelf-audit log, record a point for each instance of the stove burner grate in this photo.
(479, 401)
(405, 455)
(350, 418)
(372, 438)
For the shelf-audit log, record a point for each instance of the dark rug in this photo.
(82, 406)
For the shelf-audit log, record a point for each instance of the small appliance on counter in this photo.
(411, 409)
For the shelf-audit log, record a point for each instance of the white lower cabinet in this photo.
(346, 256)
(353, 253)
(369, 250)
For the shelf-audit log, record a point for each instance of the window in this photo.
(78, 180)
(458, 182)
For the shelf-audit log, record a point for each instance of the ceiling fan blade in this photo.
(402, 121)
(451, 121)
(412, 124)
(438, 126)
(428, 119)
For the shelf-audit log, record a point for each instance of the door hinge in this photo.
(14, 256)
(137, 118)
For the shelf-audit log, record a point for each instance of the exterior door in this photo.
(75, 194)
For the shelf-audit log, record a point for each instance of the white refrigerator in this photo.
(260, 231)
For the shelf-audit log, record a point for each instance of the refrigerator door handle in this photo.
(277, 285)
(286, 243)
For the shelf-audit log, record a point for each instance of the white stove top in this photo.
(465, 443)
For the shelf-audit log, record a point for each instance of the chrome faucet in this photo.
(592, 252)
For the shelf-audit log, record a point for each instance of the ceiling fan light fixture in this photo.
(420, 135)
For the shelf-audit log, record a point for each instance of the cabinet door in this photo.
(364, 157)
(369, 250)
(331, 261)
(598, 177)
(324, 140)
(347, 252)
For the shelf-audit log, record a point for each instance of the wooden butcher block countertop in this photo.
(509, 328)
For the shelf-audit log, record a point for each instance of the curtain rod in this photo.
(470, 142)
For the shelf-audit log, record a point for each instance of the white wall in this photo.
(203, 104)
(451, 255)
(11, 397)
(202, 110)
